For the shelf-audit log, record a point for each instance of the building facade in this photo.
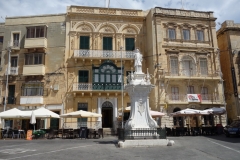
(99, 56)
(228, 37)
(182, 55)
(80, 61)
(32, 57)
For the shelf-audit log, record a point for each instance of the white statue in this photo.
(138, 61)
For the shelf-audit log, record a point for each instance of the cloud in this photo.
(223, 9)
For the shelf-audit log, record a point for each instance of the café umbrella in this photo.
(33, 119)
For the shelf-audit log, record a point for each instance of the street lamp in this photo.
(6, 90)
(122, 86)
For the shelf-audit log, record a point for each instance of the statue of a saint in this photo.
(138, 61)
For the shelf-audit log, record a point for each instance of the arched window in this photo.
(188, 66)
(107, 77)
(177, 121)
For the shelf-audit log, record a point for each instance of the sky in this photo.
(223, 9)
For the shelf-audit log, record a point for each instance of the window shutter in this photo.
(129, 43)
(84, 42)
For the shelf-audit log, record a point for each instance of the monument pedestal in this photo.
(144, 142)
(141, 129)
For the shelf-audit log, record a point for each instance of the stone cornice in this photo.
(228, 26)
(167, 12)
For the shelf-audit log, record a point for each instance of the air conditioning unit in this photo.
(55, 87)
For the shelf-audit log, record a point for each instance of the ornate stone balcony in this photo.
(192, 74)
(104, 54)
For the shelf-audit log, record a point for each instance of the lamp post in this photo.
(122, 87)
(6, 90)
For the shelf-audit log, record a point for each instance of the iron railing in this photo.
(141, 133)
(83, 53)
(96, 86)
(10, 100)
(183, 98)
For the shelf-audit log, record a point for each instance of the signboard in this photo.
(29, 135)
(194, 97)
(83, 132)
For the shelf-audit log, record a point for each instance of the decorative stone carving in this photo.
(85, 29)
(130, 13)
(73, 24)
(118, 25)
(130, 30)
(107, 11)
(85, 10)
(96, 24)
(141, 107)
(72, 44)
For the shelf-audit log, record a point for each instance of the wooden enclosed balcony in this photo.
(103, 54)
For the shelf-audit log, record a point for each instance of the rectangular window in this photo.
(186, 34)
(200, 35)
(107, 43)
(174, 65)
(171, 33)
(130, 44)
(14, 61)
(204, 93)
(175, 93)
(32, 89)
(15, 39)
(37, 32)
(203, 66)
(83, 76)
(34, 58)
(190, 90)
(82, 122)
(84, 42)
(1, 39)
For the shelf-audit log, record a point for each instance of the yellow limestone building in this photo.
(228, 37)
(33, 53)
(98, 40)
(183, 57)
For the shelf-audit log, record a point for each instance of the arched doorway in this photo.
(107, 115)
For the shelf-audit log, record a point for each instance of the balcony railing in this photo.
(176, 97)
(32, 91)
(15, 44)
(190, 73)
(96, 86)
(10, 100)
(13, 71)
(183, 98)
(103, 54)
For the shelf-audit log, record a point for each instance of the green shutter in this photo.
(83, 76)
(107, 43)
(84, 42)
(129, 43)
